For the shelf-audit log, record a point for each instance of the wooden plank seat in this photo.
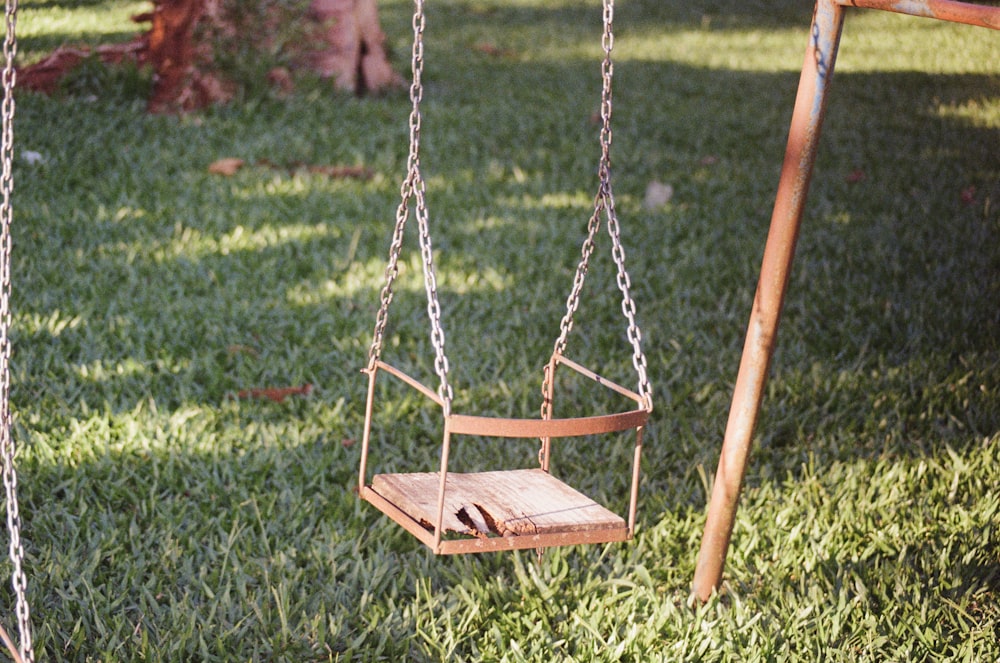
(501, 510)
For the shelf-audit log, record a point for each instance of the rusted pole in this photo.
(803, 138)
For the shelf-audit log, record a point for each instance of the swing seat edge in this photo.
(525, 509)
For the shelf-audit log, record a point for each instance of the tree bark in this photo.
(355, 56)
(178, 83)
(343, 42)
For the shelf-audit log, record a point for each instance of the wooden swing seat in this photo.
(517, 508)
(501, 510)
(506, 509)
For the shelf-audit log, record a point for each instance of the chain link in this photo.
(604, 203)
(18, 578)
(634, 334)
(413, 189)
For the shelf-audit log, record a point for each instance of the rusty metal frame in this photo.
(544, 429)
(793, 187)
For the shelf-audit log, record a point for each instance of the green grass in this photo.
(167, 521)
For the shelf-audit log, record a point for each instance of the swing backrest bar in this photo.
(461, 424)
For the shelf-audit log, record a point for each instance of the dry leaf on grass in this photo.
(493, 50)
(227, 166)
(276, 394)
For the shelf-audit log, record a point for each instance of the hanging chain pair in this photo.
(19, 580)
(604, 203)
(413, 188)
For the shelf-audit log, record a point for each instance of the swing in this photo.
(453, 512)
(25, 652)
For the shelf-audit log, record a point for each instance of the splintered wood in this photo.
(503, 503)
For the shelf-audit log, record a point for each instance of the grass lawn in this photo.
(167, 520)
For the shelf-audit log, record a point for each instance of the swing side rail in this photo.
(786, 219)
(506, 427)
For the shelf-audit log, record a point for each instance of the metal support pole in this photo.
(793, 186)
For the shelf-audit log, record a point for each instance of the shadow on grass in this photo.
(871, 291)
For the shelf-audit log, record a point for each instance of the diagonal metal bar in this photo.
(786, 219)
(796, 172)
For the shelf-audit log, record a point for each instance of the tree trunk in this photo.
(342, 41)
(355, 56)
(178, 84)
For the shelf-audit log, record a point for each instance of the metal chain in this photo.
(413, 188)
(603, 203)
(406, 191)
(19, 580)
(634, 334)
